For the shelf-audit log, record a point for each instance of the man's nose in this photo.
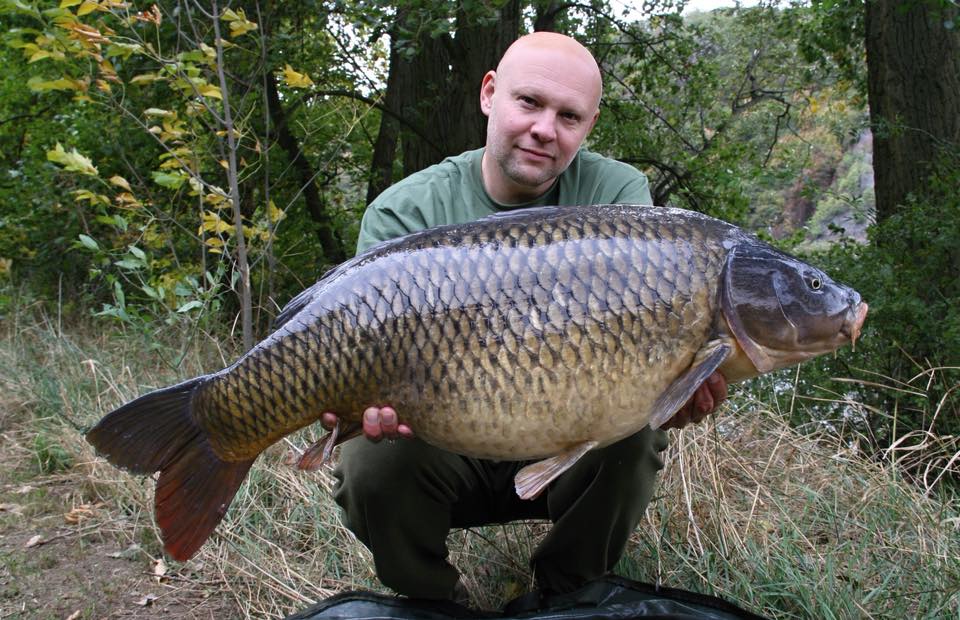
(544, 127)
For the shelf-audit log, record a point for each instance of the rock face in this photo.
(833, 197)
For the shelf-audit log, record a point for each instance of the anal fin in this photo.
(534, 478)
(679, 392)
(321, 452)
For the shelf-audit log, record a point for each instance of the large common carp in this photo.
(536, 334)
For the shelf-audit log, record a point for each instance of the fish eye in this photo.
(815, 283)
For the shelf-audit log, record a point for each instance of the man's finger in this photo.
(702, 401)
(328, 420)
(717, 384)
(371, 424)
(388, 422)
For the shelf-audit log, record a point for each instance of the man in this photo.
(401, 498)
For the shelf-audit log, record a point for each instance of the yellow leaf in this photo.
(106, 68)
(209, 90)
(127, 200)
(40, 55)
(87, 7)
(159, 112)
(145, 78)
(85, 194)
(170, 164)
(5, 264)
(273, 213)
(296, 80)
(209, 52)
(72, 161)
(238, 29)
(239, 24)
(39, 84)
(119, 181)
(213, 223)
(66, 4)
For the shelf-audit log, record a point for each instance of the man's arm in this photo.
(381, 223)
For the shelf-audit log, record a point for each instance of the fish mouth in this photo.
(852, 327)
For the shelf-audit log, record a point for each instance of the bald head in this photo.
(554, 50)
(541, 103)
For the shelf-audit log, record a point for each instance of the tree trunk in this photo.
(437, 91)
(332, 250)
(913, 82)
(385, 148)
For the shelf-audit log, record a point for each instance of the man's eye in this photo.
(530, 101)
(570, 116)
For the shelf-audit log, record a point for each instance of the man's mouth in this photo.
(536, 153)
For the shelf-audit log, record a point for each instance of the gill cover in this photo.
(781, 310)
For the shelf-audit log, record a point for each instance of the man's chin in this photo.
(532, 179)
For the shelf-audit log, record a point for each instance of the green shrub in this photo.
(908, 360)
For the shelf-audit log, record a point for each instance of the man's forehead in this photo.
(554, 75)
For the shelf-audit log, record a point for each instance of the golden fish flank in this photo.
(538, 334)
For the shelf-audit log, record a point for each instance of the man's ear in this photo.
(593, 121)
(486, 92)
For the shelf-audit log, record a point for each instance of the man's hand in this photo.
(704, 401)
(378, 422)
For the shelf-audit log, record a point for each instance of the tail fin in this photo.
(156, 432)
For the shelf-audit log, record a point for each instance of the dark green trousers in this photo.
(401, 499)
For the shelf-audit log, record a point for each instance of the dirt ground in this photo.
(62, 558)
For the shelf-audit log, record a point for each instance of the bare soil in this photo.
(65, 556)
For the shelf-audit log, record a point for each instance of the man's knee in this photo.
(635, 459)
(370, 477)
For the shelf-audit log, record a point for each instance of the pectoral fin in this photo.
(534, 478)
(320, 452)
(679, 392)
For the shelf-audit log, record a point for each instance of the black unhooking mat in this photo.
(611, 598)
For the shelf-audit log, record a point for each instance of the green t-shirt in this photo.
(452, 192)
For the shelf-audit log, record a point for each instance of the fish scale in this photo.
(537, 334)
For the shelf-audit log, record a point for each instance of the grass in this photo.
(788, 525)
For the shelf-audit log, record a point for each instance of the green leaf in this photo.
(89, 242)
(123, 50)
(138, 253)
(129, 264)
(190, 305)
(18, 6)
(118, 294)
(170, 180)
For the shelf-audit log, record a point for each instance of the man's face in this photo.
(541, 106)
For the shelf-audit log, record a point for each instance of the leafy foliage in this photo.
(907, 359)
